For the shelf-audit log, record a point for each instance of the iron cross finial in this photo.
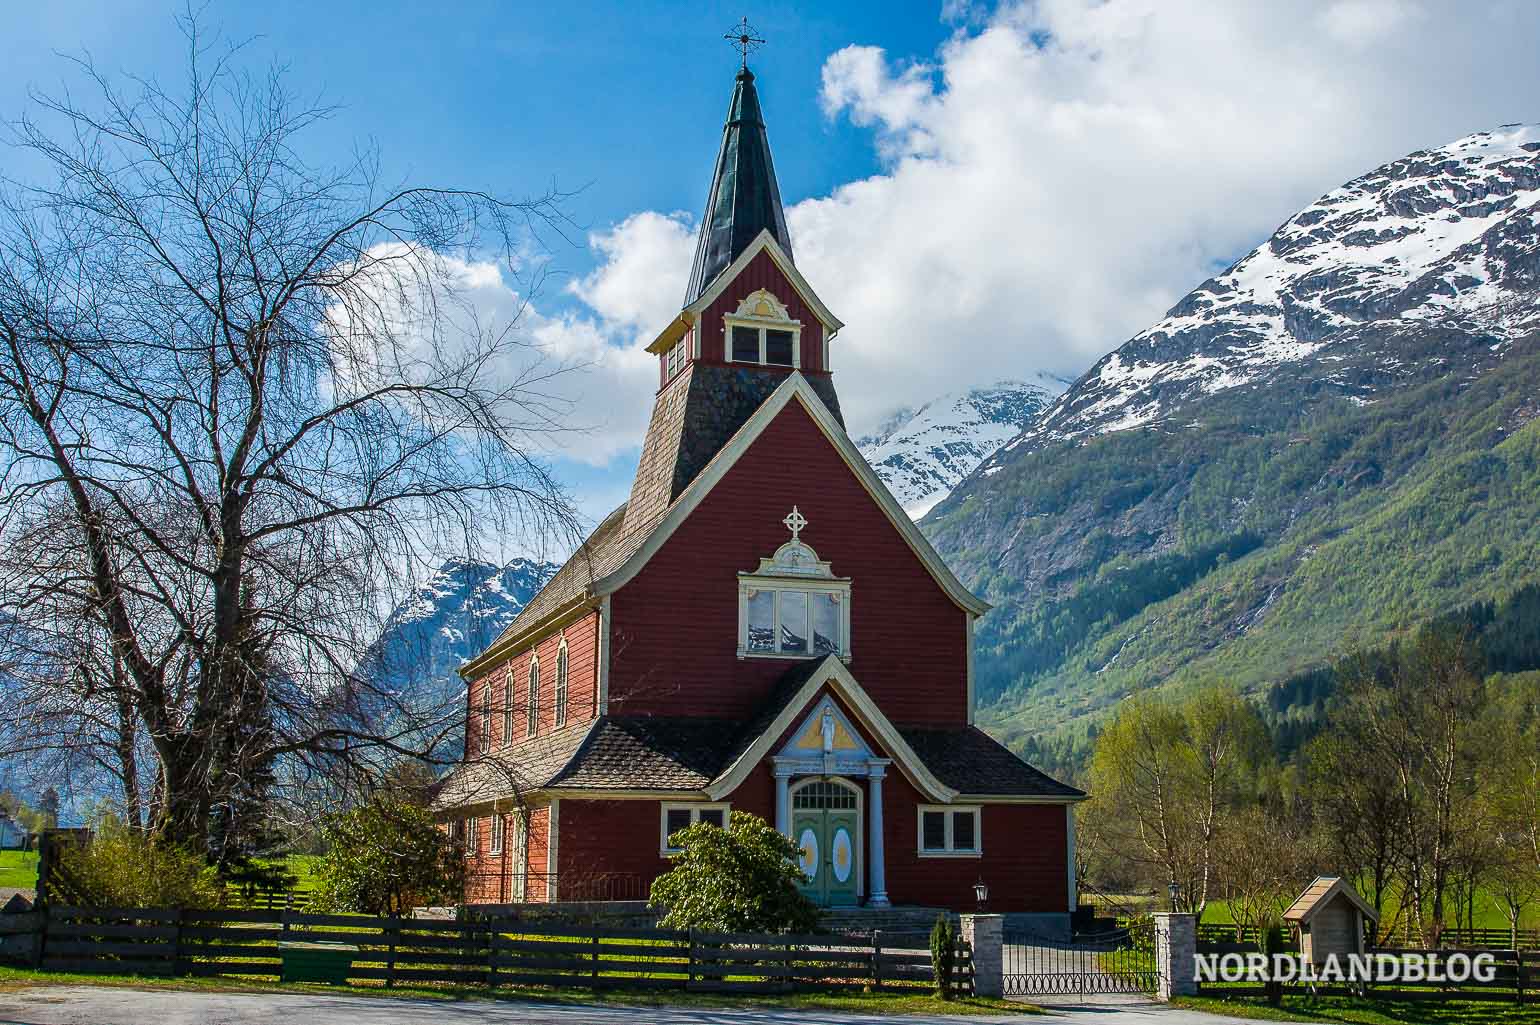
(743, 38)
(795, 521)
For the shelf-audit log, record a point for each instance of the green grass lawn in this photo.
(1487, 915)
(1371, 1012)
(12, 979)
(18, 868)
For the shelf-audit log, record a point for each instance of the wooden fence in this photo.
(488, 953)
(1516, 979)
(1490, 939)
(239, 895)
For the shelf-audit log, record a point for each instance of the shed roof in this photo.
(1322, 892)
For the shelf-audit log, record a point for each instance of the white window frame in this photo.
(470, 836)
(561, 684)
(695, 808)
(750, 585)
(778, 319)
(977, 811)
(532, 697)
(498, 827)
(674, 359)
(520, 855)
(508, 704)
(486, 716)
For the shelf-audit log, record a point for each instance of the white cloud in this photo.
(1061, 172)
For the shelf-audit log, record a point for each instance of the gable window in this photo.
(508, 705)
(949, 831)
(761, 331)
(793, 605)
(561, 684)
(682, 816)
(497, 835)
(532, 706)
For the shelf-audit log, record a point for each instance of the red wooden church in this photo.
(759, 628)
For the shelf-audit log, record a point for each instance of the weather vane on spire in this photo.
(743, 39)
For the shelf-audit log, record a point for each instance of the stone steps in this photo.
(898, 919)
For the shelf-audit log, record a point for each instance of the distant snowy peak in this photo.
(922, 454)
(1442, 236)
(452, 616)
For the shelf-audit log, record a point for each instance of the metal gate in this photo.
(1121, 961)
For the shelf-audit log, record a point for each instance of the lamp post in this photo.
(981, 894)
(1175, 892)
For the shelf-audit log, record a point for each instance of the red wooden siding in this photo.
(1024, 860)
(582, 686)
(761, 273)
(675, 626)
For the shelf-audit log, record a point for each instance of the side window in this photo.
(533, 704)
(682, 816)
(561, 685)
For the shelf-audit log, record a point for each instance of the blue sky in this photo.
(978, 190)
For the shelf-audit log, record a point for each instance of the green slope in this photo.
(1256, 536)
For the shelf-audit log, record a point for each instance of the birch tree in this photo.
(241, 395)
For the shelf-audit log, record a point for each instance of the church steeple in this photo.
(744, 198)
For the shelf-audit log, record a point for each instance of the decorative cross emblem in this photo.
(743, 38)
(795, 521)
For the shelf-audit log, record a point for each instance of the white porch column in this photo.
(876, 870)
(782, 801)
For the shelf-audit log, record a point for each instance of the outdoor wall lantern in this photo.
(1175, 892)
(981, 893)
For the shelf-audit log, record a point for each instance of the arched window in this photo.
(508, 705)
(561, 684)
(533, 705)
(486, 716)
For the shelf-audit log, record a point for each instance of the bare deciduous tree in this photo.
(240, 397)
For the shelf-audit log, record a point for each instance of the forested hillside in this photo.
(1376, 466)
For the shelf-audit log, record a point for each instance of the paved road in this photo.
(94, 1005)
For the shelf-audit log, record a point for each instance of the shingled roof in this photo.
(972, 762)
(687, 754)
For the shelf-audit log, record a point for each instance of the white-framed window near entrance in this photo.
(793, 606)
(497, 834)
(950, 830)
(520, 855)
(761, 331)
(675, 817)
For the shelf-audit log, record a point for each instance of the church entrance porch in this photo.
(826, 824)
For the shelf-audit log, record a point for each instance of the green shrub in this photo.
(740, 879)
(383, 858)
(125, 867)
(943, 954)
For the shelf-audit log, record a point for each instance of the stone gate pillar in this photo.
(1176, 949)
(986, 935)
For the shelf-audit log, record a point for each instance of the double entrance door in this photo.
(825, 823)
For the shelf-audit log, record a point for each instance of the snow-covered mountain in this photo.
(456, 613)
(1443, 237)
(921, 454)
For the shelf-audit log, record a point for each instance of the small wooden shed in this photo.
(1331, 919)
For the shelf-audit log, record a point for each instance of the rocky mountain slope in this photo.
(456, 613)
(922, 454)
(1329, 442)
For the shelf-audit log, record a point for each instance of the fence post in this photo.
(1176, 949)
(391, 932)
(595, 973)
(177, 967)
(985, 934)
(491, 925)
(876, 959)
(689, 968)
(1518, 973)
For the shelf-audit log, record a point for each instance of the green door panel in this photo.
(840, 859)
(807, 831)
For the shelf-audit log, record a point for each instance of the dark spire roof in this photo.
(744, 198)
